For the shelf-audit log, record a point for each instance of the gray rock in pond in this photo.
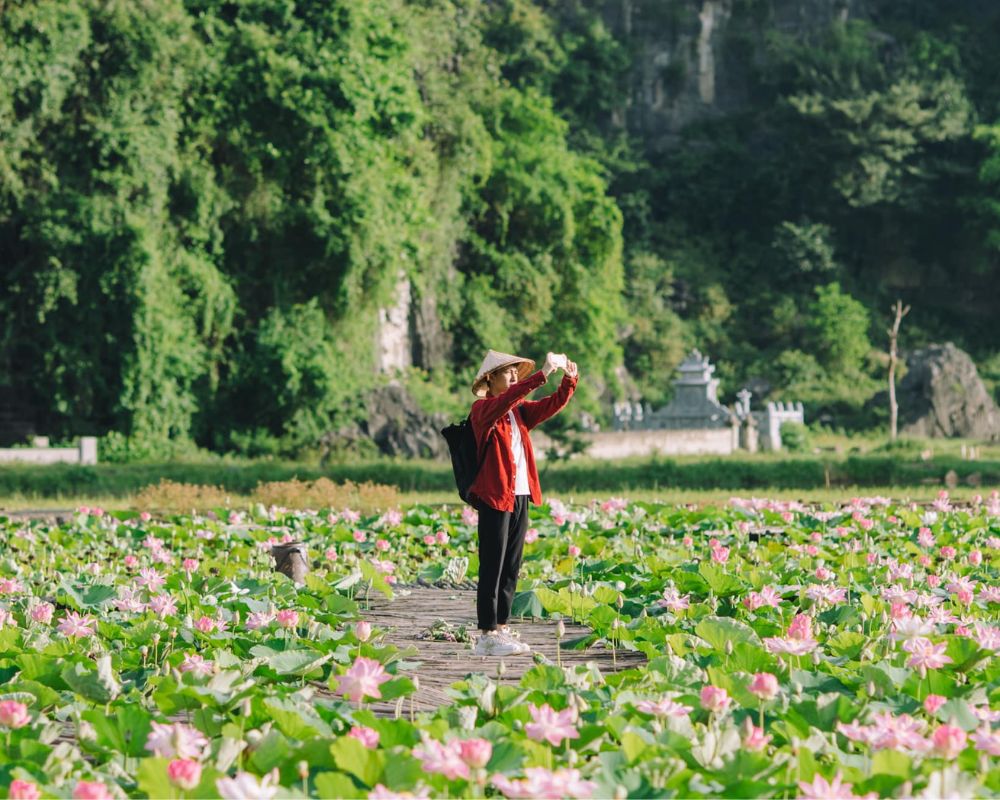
(290, 560)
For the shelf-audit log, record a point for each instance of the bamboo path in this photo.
(441, 663)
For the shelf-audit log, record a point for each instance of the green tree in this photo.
(837, 328)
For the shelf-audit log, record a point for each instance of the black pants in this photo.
(501, 545)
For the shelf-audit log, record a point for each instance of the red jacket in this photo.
(494, 484)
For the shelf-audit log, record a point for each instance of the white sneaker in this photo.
(510, 636)
(494, 644)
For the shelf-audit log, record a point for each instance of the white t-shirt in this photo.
(520, 462)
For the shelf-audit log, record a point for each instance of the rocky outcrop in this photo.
(942, 395)
(395, 425)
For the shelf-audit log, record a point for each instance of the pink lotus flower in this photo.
(975, 557)
(765, 597)
(550, 725)
(764, 686)
(197, 664)
(531, 535)
(75, 626)
(363, 679)
(988, 637)
(933, 702)
(949, 741)
(246, 787)
(288, 618)
(470, 516)
(857, 732)
(10, 586)
(382, 545)
(985, 740)
(331, 554)
(574, 551)
(442, 537)
(925, 654)
(360, 536)
(821, 789)
(367, 736)
(894, 733)
(715, 699)
(429, 539)
(7, 619)
(476, 752)
(947, 552)
(130, 562)
(687, 542)
(754, 738)
(350, 515)
(91, 790)
(259, 619)
(445, 759)
(362, 630)
(129, 600)
(151, 579)
(176, 741)
(664, 707)
(163, 605)
(189, 565)
(792, 647)
(13, 714)
(23, 790)
(720, 554)
(205, 624)
(925, 537)
(541, 783)
(184, 773)
(826, 595)
(800, 628)
(674, 600)
(392, 517)
(42, 613)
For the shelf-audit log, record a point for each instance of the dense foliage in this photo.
(204, 204)
(785, 651)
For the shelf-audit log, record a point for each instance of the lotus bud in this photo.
(797, 688)
(816, 658)
(416, 683)
(246, 707)
(871, 688)
(144, 651)
(621, 793)
(620, 601)
(560, 628)
(253, 737)
(303, 770)
(729, 647)
(572, 756)
(501, 668)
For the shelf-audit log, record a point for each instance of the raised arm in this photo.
(486, 411)
(535, 412)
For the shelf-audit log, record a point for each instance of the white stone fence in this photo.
(84, 453)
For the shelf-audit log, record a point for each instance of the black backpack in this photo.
(464, 455)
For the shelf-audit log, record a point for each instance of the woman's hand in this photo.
(571, 368)
(553, 361)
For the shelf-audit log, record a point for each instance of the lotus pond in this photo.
(790, 651)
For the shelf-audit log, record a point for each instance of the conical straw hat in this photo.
(495, 360)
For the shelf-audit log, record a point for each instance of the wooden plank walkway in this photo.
(441, 663)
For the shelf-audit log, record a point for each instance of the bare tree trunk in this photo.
(899, 311)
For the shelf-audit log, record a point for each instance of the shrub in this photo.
(324, 493)
(796, 437)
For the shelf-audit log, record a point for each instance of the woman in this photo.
(507, 480)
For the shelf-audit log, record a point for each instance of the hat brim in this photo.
(525, 366)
